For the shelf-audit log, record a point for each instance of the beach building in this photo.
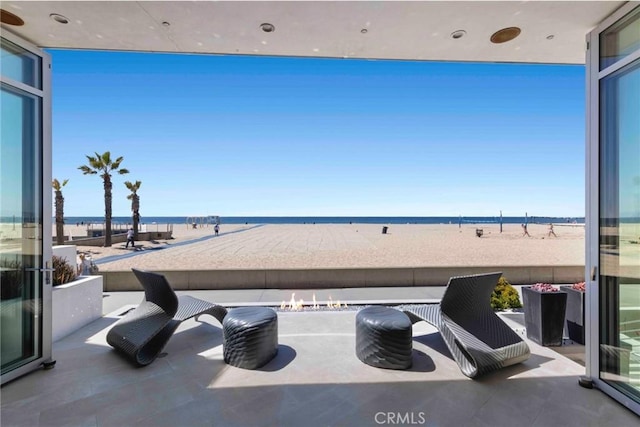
(602, 35)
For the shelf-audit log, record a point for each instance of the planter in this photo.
(75, 305)
(544, 315)
(575, 314)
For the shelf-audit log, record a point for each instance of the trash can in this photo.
(384, 230)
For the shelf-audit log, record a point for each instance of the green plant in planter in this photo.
(63, 272)
(10, 279)
(505, 296)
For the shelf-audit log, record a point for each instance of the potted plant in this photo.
(544, 309)
(63, 272)
(574, 317)
(505, 296)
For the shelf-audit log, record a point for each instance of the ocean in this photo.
(331, 219)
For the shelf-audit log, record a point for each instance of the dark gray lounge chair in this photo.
(477, 338)
(143, 332)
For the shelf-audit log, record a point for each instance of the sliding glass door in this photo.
(25, 208)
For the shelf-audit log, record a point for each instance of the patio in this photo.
(316, 378)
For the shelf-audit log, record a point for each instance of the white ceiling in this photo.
(416, 30)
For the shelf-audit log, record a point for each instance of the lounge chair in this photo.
(477, 338)
(143, 332)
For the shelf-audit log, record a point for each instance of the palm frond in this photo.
(87, 170)
(56, 184)
(106, 158)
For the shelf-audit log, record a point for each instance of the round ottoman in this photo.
(384, 337)
(250, 336)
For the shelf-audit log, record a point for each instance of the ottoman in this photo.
(250, 336)
(384, 337)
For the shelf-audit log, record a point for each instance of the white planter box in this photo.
(76, 304)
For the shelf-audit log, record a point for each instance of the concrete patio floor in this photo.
(315, 379)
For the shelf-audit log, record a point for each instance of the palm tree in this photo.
(59, 210)
(135, 204)
(104, 165)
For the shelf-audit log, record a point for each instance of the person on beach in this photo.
(526, 232)
(130, 239)
(216, 229)
(551, 230)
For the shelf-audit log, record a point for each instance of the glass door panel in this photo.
(619, 224)
(21, 229)
(24, 297)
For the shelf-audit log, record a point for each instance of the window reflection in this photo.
(620, 229)
(20, 65)
(620, 40)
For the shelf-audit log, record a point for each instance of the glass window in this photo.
(620, 229)
(20, 65)
(620, 40)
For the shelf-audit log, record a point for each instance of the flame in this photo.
(336, 304)
(292, 301)
(294, 305)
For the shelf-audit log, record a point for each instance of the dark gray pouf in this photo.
(250, 336)
(384, 338)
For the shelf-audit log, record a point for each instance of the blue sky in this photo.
(238, 135)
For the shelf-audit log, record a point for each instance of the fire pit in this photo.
(314, 305)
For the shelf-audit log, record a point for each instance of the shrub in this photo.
(10, 278)
(505, 296)
(63, 272)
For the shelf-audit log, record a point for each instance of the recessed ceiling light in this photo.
(59, 18)
(364, 31)
(458, 34)
(505, 35)
(10, 19)
(267, 28)
(550, 37)
(166, 24)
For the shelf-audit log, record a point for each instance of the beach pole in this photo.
(500, 221)
(460, 222)
(526, 219)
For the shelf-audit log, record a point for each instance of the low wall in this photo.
(121, 238)
(75, 304)
(115, 281)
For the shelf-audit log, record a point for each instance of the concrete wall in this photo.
(75, 305)
(338, 278)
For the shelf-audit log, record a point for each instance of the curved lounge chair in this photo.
(143, 332)
(477, 338)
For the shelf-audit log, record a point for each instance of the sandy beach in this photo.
(276, 246)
